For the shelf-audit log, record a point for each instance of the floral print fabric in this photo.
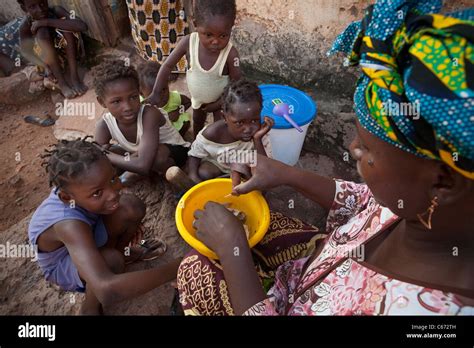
(337, 282)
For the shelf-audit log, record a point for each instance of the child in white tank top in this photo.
(213, 61)
(147, 141)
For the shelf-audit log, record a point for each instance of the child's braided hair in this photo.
(70, 158)
(242, 90)
(203, 9)
(111, 70)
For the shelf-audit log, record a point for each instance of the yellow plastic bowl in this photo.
(252, 204)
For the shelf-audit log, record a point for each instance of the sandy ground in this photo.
(23, 183)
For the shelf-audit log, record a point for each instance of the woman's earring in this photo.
(370, 162)
(431, 209)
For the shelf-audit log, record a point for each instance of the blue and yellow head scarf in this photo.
(417, 87)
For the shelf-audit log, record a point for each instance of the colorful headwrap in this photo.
(417, 87)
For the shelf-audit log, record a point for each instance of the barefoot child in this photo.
(239, 134)
(212, 58)
(147, 141)
(172, 104)
(84, 227)
(46, 34)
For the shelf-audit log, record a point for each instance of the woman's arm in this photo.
(221, 231)
(143, 162)
(106, 285)
(269, 173)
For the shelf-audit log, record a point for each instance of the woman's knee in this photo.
(132, 207)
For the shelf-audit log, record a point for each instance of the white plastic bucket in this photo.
(286, 144)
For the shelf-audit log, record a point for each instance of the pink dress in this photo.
(338, 282)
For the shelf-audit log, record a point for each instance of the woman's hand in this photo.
(265, 128)
(265, 174)
(219, 229)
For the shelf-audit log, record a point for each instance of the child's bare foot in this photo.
(79, 87)
(67, 91)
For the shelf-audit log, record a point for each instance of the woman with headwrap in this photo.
(403, 242)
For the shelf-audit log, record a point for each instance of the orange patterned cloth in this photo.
(156, 28)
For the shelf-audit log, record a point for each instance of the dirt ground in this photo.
(23, 184)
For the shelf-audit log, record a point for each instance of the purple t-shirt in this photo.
(57, 265)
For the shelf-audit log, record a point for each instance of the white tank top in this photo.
(205, 86)
(168, 134)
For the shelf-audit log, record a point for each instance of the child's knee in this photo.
(114, 259)
(132, 207)
(204, 173)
